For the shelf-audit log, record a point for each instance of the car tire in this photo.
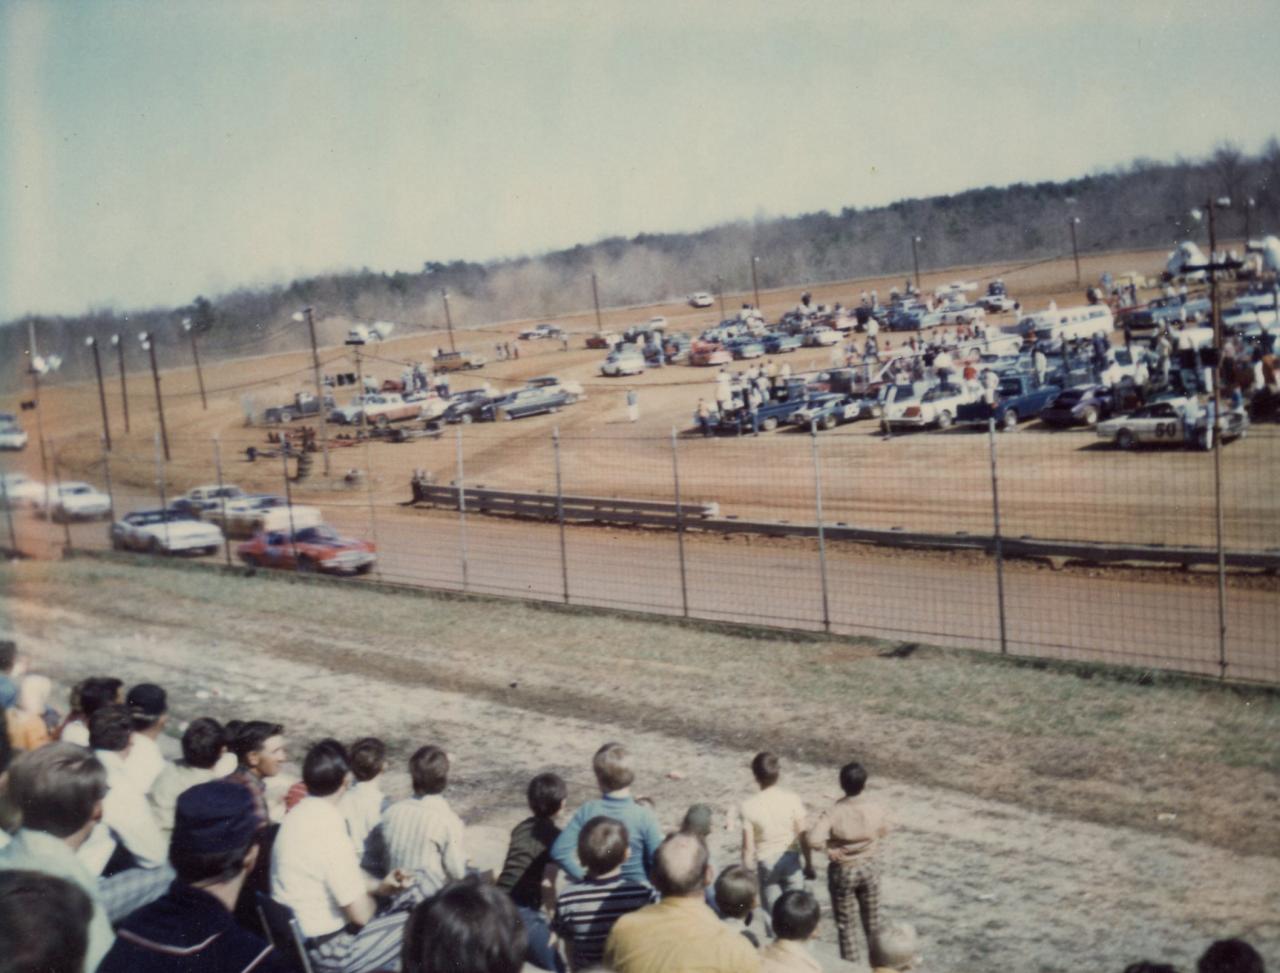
(382, 422)
(154, 547)
(828, 422)
(364, 569)
(504, 415)
(1090, 416)
(1125, 439)
(1010, 420)
(117, 543)
(466, 419)
(769, 425)
(944, 419)
(307, 566)
(286, 416)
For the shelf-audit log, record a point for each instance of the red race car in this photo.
(309, 549)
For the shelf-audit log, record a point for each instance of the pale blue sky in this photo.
(150, 151)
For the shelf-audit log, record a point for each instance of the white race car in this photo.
(12, 436)
(701, 299)
(164, 532)
(1174, 422)
(77, 501)
(246, 516)
(19, 490)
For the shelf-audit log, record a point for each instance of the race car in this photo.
(309, 550)
(1176, 422)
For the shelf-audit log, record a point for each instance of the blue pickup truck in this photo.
(1018, 397)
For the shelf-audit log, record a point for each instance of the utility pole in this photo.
(915, 259)
(320, 403)
(1073, 222)
(448, 318)
(148, 342)
(755, 283)
(195, 353)
(32, 362)
(102, 394)
(124, 388)
(595, 296)
(720, 294)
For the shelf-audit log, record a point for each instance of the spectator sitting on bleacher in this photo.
(364, 803)
(86, 699)
(735, 900)
(680, 934)
(44, 923)
(149, 707)
(260, 753)
(795, 920)
(203, 744)
(59, 789)
(315, 872)
(25, 724)
(612, 766)
(190, 929)
(423, 836)
(126, 849)
(467, 927)
(528, 873)
(587, 909)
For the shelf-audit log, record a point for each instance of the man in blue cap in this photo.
(191, 928)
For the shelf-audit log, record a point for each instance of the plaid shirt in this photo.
(257, 789)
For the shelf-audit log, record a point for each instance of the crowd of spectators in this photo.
(114, 858)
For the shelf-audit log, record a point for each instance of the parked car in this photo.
(768, 416)
(310, 549)
(1018, 397)
(709, 353)
(701, 299)
(541, 331)
(164, 532)
(821, 337)
(19, 490)
(456, 361)
(76, 501)
(571, 388)
(825, 411)
(777, 343)
(202, 498)
(744, 348)
(1084, 405)
(603, 339)
(379, 409)
(12, 436)
(304, 404)
(531, 402)
(1175, 422)
(997, 303)
(626, 360)
(468, 406)
(675, 347)
(936, 408)
(246, 516)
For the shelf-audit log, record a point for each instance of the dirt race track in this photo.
(1052, 484)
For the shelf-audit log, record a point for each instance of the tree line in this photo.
(1143, 204)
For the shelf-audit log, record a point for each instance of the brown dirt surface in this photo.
(1043, 820)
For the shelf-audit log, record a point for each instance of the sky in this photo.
(151, 151)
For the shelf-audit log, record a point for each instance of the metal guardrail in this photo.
(705, 516)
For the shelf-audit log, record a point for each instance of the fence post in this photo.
(999, 543)
(1216, 433)
(106, 475)
(462, 512)
(66, 519)
(8, 511)
(288, 503)
(675, 475)
(160, 485)
(564, 557)
(822, 537)
(368, 489)
(226, 527)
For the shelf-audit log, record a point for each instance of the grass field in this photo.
(1024, 785)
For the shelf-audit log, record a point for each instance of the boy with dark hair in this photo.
(468, 927)
(588, 908)
(795, 920)
(529, 874)
(735, 900)
(59, 790)
(363, 803)
(614, 774)
(315, 871)
(44, 923)
(423, 836)
(94, 693)
(851, 832)
(1230, 956)
(190, 929)
(260, 753)
(149, 706)
(773, 835)
(126, 848)
(203, 744)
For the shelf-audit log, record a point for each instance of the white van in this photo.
(1052, 327)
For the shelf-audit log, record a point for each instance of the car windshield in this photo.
(1010, 388)
(941, 392)
(323, 534)
(76, 490)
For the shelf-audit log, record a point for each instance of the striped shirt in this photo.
(425, 837)
(586, 910)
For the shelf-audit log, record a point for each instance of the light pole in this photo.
(149, 345)
(595, 296)
(448, 318)
(322, 407)
(92, 344)
(720, 294)
(41, 366)
(124, 389)
(915, 259)
(1073, 222)
(1249, 204)
(195, 353)
(755, 281)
